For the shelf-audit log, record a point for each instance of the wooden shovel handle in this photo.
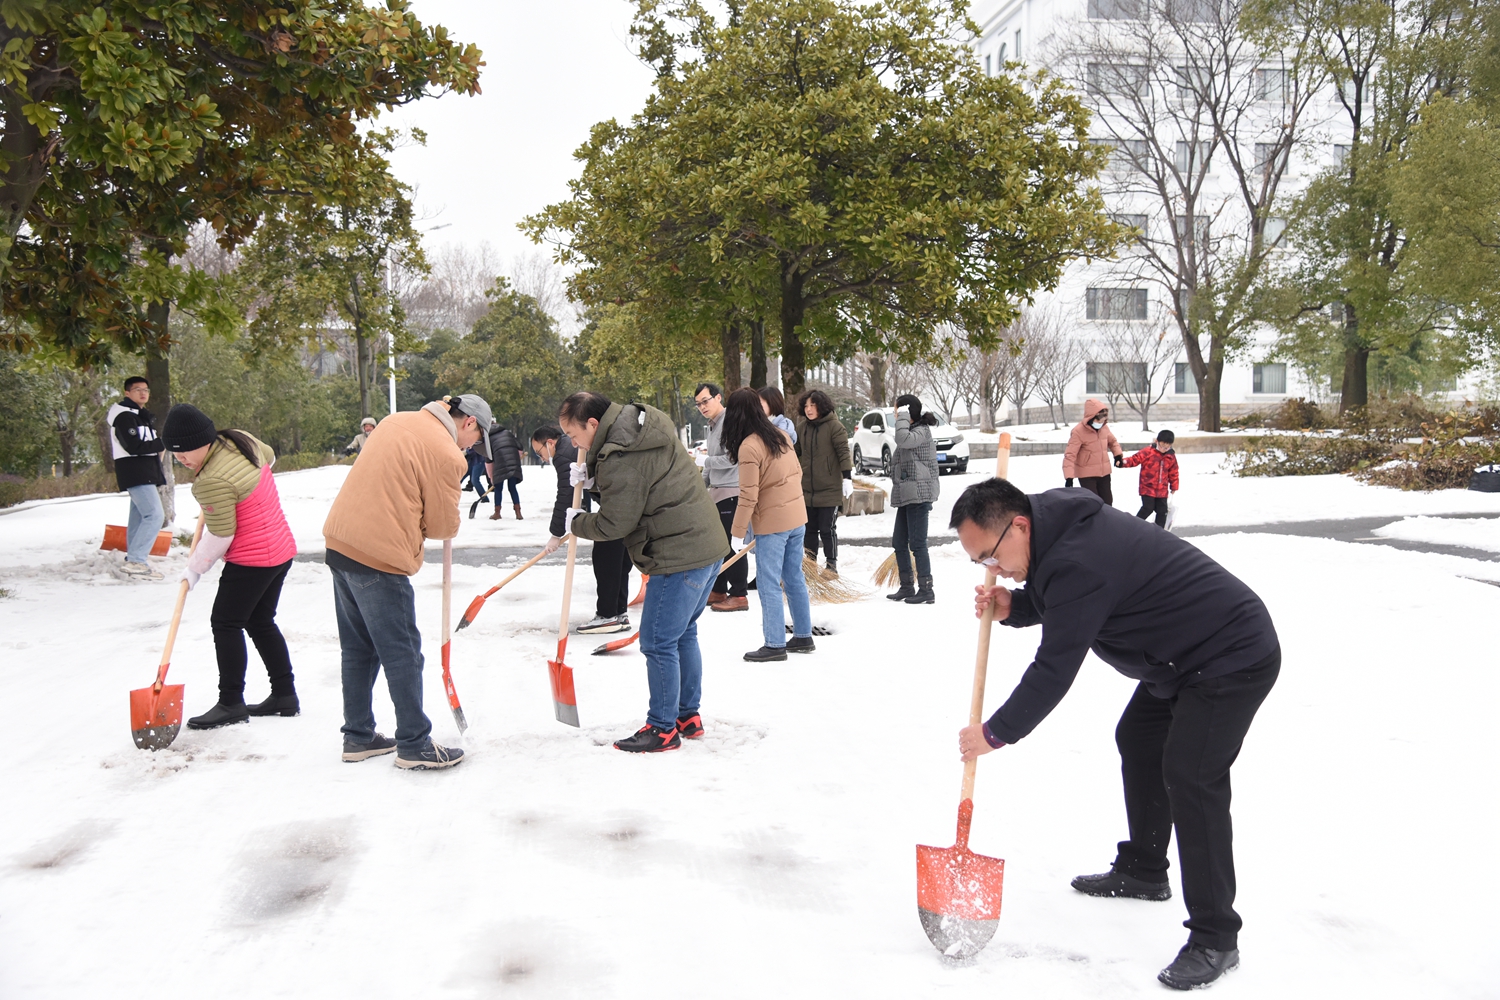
(742, 553)
(182, 592)
(447, 587)
(986, 626)
(518, 571)
(567, 600)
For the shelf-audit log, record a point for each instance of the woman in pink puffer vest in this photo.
(244, 525)
(1089, 447)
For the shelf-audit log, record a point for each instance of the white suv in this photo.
(875, 443)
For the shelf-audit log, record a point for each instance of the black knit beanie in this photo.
(187, 429)
(913, 402)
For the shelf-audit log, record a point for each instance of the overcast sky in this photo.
(552, 70)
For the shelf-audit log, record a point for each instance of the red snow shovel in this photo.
(640, 595)
(614, 644)
(958, 891)
(564, 699)
(477, 603)
(458, 710)
(156, 711)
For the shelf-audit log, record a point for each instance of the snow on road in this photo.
(775, 856)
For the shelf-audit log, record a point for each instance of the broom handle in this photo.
(182, 592)
(562, 626)
(986, 626)
(742, 553)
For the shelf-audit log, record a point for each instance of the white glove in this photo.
(848, 488)
(578, 472)
(568, 516)
(735, 544)
(191, 578)
(553, 544)
(701, 458)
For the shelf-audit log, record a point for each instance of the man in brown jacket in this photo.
(1089, 447)
(403, 489)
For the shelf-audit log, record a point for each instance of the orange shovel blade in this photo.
(564, 700)
(155, 716)
(114, 540)
(958, 893)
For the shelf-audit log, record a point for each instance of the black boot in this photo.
(1196, 966)
(1118, 884)
(285, 705)
(220, 715)
(924, 593)
(905, 592)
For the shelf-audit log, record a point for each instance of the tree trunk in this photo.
(25, 152)
(793, 356)
(159, 375)
(758, 354)
(105, 436)
(877, 368)
(1208, 396)
(362, 372)
(1356, 387)
(729, 343)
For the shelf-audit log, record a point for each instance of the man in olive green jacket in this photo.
(651, 495)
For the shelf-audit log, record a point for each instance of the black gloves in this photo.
(1067, 482)
(1119, 461)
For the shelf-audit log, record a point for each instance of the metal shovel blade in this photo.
(155, 716)
(958, 893)
(614, 644)
(564, 700)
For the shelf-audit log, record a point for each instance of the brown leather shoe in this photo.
(732, 604)
(496, 516)
(716, 597)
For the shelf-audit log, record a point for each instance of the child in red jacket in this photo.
(1158, 476)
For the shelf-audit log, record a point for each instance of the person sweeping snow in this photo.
(243, 525)
(770, 502)
(1158, 476)
(651, 495)
(1202, 646)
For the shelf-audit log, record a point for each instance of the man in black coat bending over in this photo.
(1158, 610)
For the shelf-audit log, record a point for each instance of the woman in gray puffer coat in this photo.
(914, 487)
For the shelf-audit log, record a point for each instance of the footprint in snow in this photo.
(67, 848)
(293, 868)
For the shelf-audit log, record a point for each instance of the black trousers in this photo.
(1156, 504)
(611, 561)
(820, 525)
(1098, 485)
(246, 602)
(1175, 756)
(734, 580)
(909, 539)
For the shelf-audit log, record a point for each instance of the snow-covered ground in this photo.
(775, 856)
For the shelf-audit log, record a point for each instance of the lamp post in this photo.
(389, 292)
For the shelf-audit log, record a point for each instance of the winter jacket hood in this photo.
(135, 445)
(404, 488)
(914, 467)
(650, 494)
(1089, 450)
(823, 447)
(1148, 603)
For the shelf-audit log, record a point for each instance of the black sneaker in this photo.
(285, 705)
(380, 745)
(1196, 966)
(601, 625)
(802, 644)
(1113, 883)
(765, 654)
(690, 727)
(220, 715)
(434, 757)
(649, 739)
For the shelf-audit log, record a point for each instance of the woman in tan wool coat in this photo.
(1089, 448)
(771, 508)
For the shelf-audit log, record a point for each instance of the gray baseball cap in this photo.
(475, 406)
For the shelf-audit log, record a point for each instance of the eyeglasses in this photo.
(701, 403)
(989, 561)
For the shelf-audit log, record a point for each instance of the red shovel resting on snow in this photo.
(156, 711)
(958, 891)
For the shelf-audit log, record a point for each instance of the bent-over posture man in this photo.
(1159, 611)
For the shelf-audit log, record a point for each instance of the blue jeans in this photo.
(778, 568)
(377, 615)
(669, 638)
(145, 522)
(515, 494)
(911, 534)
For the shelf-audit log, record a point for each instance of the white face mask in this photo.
(1097, 425)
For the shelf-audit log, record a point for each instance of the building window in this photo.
(1269, 379)
(988, 71)
(1183, 382)
(1192, 11)
(1196, 234)
(1115, 10)
(1124, 154)
(1113, 378)
(1186, 162)
(1116, 303)
(1184, 77)
(1001, 57)
(1274, 230)
(1269, 157)
(1270, 85)
(1018, 45)
(1116, 78)
(1136, 222)
(1341, 155)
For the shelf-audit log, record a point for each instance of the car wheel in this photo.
(859, 460)
(885, 462)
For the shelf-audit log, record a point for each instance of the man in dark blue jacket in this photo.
(1158, 610)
